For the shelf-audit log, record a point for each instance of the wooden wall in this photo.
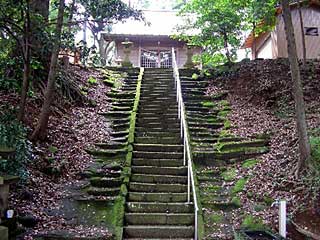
(311, 18)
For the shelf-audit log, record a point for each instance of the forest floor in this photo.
(262, 104)
(59, 161)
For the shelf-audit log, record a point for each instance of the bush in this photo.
(14, 135)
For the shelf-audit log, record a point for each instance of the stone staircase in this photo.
(157, 205)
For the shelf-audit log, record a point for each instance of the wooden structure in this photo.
(274, 44)
(150, 51)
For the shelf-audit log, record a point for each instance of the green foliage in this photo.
(253, 223)
(92, 80)
(14, 135)
(250, 163)
(219, 26)
(239, 186)
(229, 175)
(208, 104)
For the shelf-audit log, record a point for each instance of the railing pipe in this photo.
(187, 159)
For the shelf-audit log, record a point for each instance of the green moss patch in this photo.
(229, 175)
(209, 104)
(250, 163)
(253, 223)
(215, 218)
(239, 186)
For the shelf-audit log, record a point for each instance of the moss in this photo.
(227, 124)
(239, 186)
(224, 113)
(253, 223)
(215, 218)
(229, 175)
(250, 163)
(236, 202)
(195, 76)
(250, 194)
(92, 81)
(268, 200)
(208, 104)
(224, 103)
(259, 207)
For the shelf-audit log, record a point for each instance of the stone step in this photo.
(157, 188)
(157, 162)
(159, 110)
(157, 207)
(159, 140)
(162, 179)
(159, 238)
(159, 219)
(165, 114)
(160, 197)
(152, 155)
(158, 148)
(165, 130)
(178, 171)
(162, 120)
(162, 125)
(144, 232)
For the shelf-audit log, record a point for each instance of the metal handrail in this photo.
(187, 159)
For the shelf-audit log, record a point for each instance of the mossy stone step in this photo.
(157, 207)
(122, 120)
(161, 197)
(199, 129)
(197, 114)
(107, 153)
(158, 147)
(157, 162)
(158, 119)
(158, 125)
(105, 182)
(152, 155)
(178, 171)
(97, 191)
(144, 232)
(163, 131)
(163, 115)
(162, 179)
(159, 110)
(153, 188)
(205, 125)
(159, 218)
(111, 145)
(119, 134)
(121, 108)
(159, 140)
(120, 139)
(234, 145)
(122, 95)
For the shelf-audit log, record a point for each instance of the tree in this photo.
(40, 131)
(219, 23)
(304, 144)
(15, 22)
(102, 13)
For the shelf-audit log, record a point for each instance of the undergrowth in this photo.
(13, 137)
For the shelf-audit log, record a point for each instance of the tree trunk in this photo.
(41, 130)
(304, 144)
(26, 64)
(225, 38)
(102, 51)
(303, 38)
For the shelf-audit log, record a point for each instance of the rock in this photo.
(28, 221)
